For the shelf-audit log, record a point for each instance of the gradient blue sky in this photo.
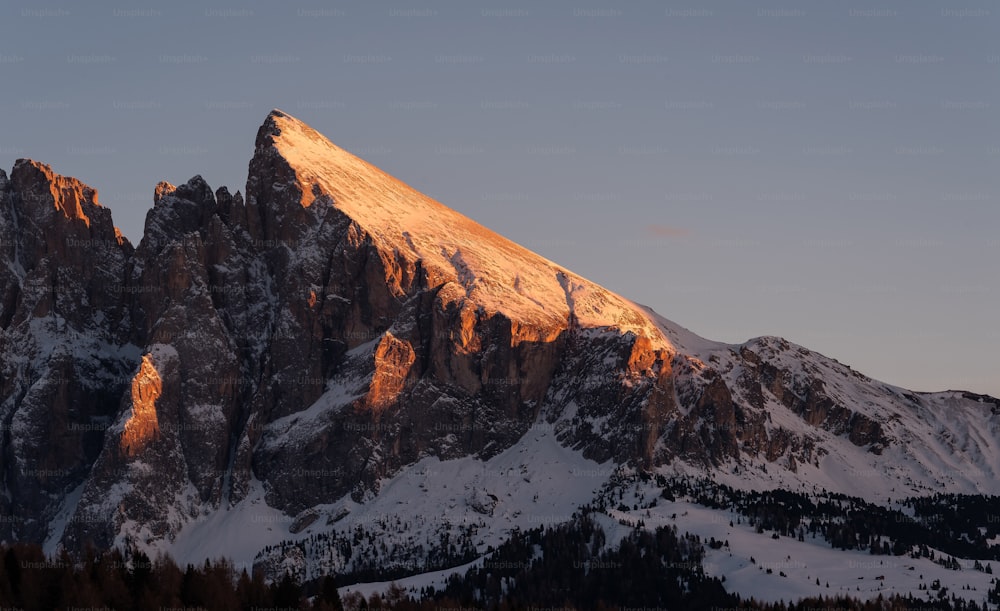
(823, 171)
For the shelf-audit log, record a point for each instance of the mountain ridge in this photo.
(388, 208)
(293, 354)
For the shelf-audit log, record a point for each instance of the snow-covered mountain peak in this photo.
(497, 274)
(338, 347)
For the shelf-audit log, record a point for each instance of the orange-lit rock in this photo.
(393, 359)
(65, 194)
(142, 427)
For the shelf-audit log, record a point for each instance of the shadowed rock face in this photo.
(318, 336)
(64, 319)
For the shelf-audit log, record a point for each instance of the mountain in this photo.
(336, 353)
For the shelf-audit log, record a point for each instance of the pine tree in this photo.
(287, 593)
(329, 596)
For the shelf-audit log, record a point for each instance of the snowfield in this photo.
(852, 573)
(535, 482)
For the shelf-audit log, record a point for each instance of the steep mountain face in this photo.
(65, 340)
(300, 349)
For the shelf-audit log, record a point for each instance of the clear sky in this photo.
(823, 171)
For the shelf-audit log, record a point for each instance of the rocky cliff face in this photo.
(335, 326)
(65, 343)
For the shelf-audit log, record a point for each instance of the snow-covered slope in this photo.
(773, 569)
(536, 481)
(910, 443)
